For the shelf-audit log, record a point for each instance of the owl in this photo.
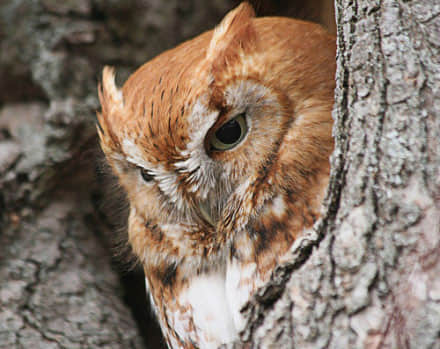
(222, 146)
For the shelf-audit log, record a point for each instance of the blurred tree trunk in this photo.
(370, 277)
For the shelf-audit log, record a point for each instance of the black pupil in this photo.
(229, 133)
(145, 175)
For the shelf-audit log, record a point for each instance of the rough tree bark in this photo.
(369, 277)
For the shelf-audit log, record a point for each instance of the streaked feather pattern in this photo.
(211, 226)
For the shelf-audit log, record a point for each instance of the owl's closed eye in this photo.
(222, 146)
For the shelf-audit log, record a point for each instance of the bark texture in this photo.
(369, 277)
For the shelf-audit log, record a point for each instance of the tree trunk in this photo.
(370, 276)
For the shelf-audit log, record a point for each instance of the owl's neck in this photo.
(201, 295)
(267, 235)
(204, 306)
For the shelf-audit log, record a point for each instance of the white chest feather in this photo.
(211, 313)
(209, 307)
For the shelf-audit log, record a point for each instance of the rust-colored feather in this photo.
(210, 225)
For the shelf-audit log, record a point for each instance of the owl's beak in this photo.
(205, 210)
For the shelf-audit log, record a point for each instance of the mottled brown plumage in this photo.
(208, 224)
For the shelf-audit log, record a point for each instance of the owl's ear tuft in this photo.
(112, 104)
(235, 30)
(109, 86)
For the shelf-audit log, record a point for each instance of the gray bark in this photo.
(369, 276)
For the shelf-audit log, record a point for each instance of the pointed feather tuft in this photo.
(112, 105)
(236, 26)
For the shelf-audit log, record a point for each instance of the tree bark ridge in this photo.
(371, 280)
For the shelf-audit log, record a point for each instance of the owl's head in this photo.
(208, 136)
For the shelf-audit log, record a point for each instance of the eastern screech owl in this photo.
(222, 145)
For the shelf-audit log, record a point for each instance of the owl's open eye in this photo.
(230, 134)
(146, 176)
